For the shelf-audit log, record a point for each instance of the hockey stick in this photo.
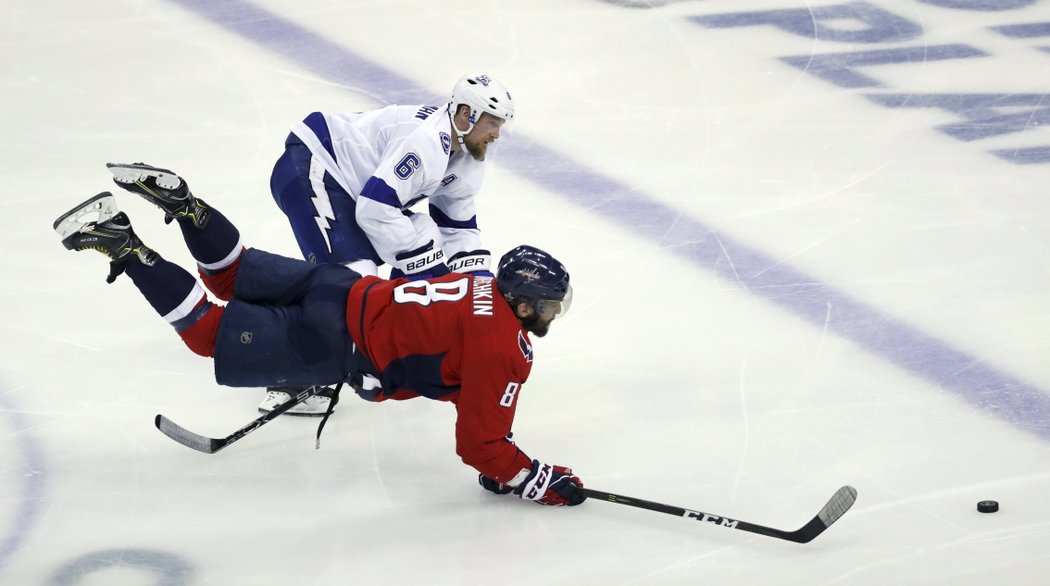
(840, 502)
(211, 445)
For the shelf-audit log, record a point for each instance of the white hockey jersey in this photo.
(391, 158)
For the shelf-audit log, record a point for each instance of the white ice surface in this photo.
(670, 380)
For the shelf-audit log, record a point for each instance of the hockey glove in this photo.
(477, 262)
(551, 485)
(424, 262)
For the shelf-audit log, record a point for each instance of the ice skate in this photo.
(162, 188)
(314, 406)
(97, 224)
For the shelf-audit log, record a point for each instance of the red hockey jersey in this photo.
(452, 339)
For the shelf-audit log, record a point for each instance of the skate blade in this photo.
(96, 210)
(136, 172)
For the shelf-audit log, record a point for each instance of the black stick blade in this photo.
(187, 437)
(840, 502)
(836, 507)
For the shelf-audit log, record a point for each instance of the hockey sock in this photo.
(220, 282)
(215, 246)
(181, 301)
(170, 289)
(200, 335)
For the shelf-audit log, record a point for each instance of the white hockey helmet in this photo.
(482, 93)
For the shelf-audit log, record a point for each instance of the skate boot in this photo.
(96, 224)
(162, 188)
(314, 406)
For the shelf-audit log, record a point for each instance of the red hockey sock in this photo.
(200, 337)
(220, 282)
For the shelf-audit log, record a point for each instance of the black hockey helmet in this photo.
(527, 273)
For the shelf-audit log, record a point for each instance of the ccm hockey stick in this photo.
(840, 502)
(211, 445)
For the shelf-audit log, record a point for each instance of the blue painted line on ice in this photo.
(994, 391)
(1030, 30)
(32, 485)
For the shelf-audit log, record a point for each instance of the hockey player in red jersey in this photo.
(458, 338)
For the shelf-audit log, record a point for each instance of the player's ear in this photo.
(523, 309)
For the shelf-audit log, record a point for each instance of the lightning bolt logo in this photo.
(323, 205)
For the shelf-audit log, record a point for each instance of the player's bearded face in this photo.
(539, 322)
(485, 130)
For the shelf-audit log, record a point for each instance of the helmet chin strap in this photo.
(460, 135)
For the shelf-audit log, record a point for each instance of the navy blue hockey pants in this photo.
(286, 324)
(306, 205)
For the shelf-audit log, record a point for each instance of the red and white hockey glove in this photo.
(551, 485)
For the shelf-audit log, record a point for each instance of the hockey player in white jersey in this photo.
(346, 182)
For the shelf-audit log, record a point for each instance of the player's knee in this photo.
(221, 282)
(200, 336)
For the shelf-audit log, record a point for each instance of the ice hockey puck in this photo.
(988, 506)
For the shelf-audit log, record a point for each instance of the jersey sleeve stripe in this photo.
(443, 221)
(376, 189)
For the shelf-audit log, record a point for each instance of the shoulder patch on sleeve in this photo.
(446, 142)
(524, 346)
